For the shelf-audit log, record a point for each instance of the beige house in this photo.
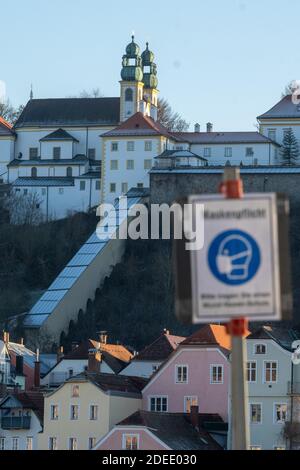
(85, 408)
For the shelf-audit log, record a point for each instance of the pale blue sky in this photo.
(224, 61)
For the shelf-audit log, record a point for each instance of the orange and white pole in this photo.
(232, 188)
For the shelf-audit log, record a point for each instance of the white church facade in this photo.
(73, 153)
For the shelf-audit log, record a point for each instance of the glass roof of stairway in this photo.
(87, 254)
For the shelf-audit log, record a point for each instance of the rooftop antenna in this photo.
(31, 92)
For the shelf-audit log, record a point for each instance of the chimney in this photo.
(209, 127)
(22, 341)
(6, 337)
(60, 353)
(19, 365)
(166, 332)
(94, 361)
(37, 370)
(197, 127)
(74, 346)
(103, 337)
(195, 416)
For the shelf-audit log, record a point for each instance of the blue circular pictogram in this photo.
(234, 257)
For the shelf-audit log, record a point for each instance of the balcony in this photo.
(294, 388)
(15, 422)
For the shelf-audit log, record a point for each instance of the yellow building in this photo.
(85, 408)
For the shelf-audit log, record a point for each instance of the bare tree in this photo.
(94, 93)
(8, 112)
(24, 209)
(169, 118)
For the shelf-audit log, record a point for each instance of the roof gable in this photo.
(209, 335)
(139, 124)
(59, 134)
(284, 109)
(160, 349)
(70, 111)
(5, 128)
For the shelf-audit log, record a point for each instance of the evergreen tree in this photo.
(290, 148)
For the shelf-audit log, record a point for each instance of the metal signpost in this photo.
(242, 272)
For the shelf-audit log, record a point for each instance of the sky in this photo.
(223, 61)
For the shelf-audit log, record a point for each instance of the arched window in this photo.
(129, 94)
(69, 172)
(33, 172)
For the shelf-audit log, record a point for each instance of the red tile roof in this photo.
(113, 383)
(116, 350)
(161, 348)
(5, 127)
(210, 335)
(138, 124)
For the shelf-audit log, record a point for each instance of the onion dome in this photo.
(132, 70)
(132, 50)
(147, 56)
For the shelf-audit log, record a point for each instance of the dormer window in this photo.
(260, 349)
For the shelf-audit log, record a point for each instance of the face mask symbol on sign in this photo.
(234, 257)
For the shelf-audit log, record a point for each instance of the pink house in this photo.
(161, 431)
(196, 374)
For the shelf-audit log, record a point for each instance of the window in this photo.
(53, 443)
(92, 442)
(61, 190)
(73, 443)
(92, 154)
(15, 443)
(44, 191)
(82, 186)
(251, 372)
(33, 172)
(128, 94)
(181, 374)
(189, 402)
(114, 164)
(74, 415)
(114, 146)
(2, 443)
(249, 152)
(154, 368)
(25, 192)
(272, 134)
(93, 413)
(255, 413)
(216, 374)
(124, 188)
(270, 375)
(130, 164)
(147, 164)
(260, 349)
(112, 187)
(97, 185)
(148, 146)
(69, 172)
(159, 404)
(56, 153)
(280, 413)
(75, 391)
(228, 152)
(130, 441)
(130, 146)
(29, 443)
(71, 372)
(54, 412)
(140, 185)
(207, 152)
(33, 153)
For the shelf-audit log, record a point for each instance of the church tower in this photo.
(132, 82)
(150, 81)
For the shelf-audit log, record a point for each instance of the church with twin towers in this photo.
(70, 154)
